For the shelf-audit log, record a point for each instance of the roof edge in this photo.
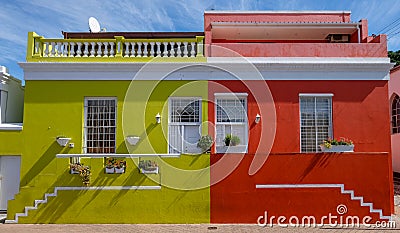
(273, 12)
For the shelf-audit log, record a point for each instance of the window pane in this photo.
(315, 122)
(231, 110)
(100, 125)
(396, 115)
(184, 133)
(185, 110)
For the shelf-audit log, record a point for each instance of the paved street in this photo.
(145, 228)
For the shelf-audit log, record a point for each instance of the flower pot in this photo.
(120, 170)
(73, 171)
(109, 170)
(149, 170)
(338, 148)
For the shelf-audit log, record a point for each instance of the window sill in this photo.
(116, 155)
(231, 149)
(11, 127)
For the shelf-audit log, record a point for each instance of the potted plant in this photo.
(74, 168)
(337, 145)
(83, 171)
(205, 143)
(109, 166)
(120, 166)
(231, 140)
(148, 166)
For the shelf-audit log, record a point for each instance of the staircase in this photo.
(27, 208)
(342, 190)
(56, 189)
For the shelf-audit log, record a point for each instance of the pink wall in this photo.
(299, 49)
(394, 87)
(369, 47)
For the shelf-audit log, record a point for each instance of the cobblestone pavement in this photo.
(210, 228)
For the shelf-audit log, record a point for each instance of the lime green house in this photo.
(93, 144)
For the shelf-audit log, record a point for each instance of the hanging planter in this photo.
(334, 145)
(148, 167)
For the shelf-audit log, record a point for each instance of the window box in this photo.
(114, 166)
(338, 148)
(155, 171)
(109, 170)
(148, 167)
(120, 170)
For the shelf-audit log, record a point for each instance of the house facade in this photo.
(394, 93)
(267, 87)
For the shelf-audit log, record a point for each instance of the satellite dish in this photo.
(94, 25)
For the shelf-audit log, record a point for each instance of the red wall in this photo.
(236, 199)
(358, 112)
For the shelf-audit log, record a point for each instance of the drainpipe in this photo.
(359, 33)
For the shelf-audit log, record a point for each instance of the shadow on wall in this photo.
(48, 156)
(51, 213)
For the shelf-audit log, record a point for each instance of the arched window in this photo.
(396, 115)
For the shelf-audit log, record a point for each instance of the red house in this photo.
(317, 75)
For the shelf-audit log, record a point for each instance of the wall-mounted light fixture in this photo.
(132, 140)
(158, 118)
(258, 118)
(62, 141)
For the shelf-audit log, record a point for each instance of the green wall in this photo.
(54, 108)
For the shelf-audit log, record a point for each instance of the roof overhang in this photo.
(279, 31)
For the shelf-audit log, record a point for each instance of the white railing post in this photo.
(127, 49)
(105, 49)
(145, 52)
(192, 51)
(79, 49)
(165, 54)
(92, 50)
(151, 49)
(86, 51)
(185, 49)
(72, 49)
(139, 49)
(99, 52)
(46, 50)
(111, 49)
(179, 51)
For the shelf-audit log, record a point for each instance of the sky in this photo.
(49, 17)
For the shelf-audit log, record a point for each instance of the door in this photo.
(10, 178)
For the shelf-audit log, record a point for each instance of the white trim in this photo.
(286, 25)
(271, 68)
(84, 155)
(274, 12)
(316, 95)
(85, 107)
(231, 94)
(154, 187)
(11, 126)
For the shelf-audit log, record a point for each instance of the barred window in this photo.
(184, 125)
(315, 121)
(231, 119)
(100, 125)
(396, 115)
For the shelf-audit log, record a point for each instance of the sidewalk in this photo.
(146, 228)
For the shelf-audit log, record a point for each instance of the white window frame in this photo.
(231, 96)
(182, 124)
(330, 129)
(396, 116)
(3, 108)
(85, 122)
